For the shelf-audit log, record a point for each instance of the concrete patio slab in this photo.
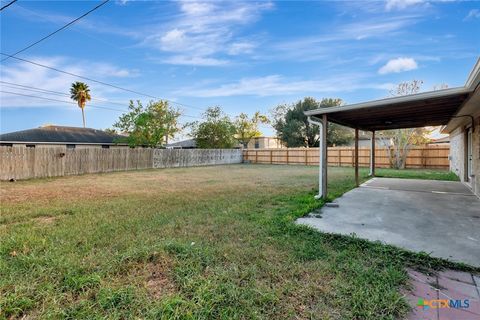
(419, 185)
(441, 218)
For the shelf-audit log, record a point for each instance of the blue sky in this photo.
(243, 56)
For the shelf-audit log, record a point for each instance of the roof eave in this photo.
(388, 101)
(473, 79)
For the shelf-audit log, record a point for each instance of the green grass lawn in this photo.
(194, 243)
(417, 174)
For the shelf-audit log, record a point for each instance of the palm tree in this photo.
(81, 93)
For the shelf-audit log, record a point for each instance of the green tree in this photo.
(80, 93)
(400, 141)
(294, 130)
(150, 126)
(217, 131)
(247, 128)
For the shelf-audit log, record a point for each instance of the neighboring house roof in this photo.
(62, 135)
(417, 110)
(189, 143)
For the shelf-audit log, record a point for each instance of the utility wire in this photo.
(41, 90)
(57, 100)
(100, 82)
(63, 94)
(8, 5)
(71, 102)
(56, 31)
(75, 30)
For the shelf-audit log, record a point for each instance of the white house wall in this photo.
(476, 159)
(457, 153)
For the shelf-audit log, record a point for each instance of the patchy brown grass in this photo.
(201, 243)
(145, 182)
(159, 282)
(45, 220)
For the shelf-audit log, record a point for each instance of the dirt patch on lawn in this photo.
(45, 220)
(158, 277)
(159, 283)
(65, 189)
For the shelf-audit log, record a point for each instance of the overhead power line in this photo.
(56, 31)
(8, 5)
(100, 82)
(63, 94)
(69, 102)
(41, 90)
(57, 100)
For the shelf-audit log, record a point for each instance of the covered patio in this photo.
(417, 110)
(438, 217)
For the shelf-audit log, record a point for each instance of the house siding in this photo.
(457, 151)
(265, 143)
(476, 159)
(458, 154)
(367, 143)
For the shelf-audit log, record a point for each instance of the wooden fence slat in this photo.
(19, 162)
(429, 156)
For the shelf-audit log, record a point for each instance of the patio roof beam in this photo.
(357, 181)
(372, 154)
(324, 152)
(322, 155)
(418, 110)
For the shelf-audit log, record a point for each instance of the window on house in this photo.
(105, 146)
(70, 146)
(257, 144)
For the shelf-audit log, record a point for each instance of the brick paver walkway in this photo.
(450, 288)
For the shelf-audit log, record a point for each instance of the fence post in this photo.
(339, 157)
(424, 160)
(287, 157)
(256, 156)
(271, 156)
(306, 156)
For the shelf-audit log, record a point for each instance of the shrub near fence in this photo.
(429, 156)
(20, 162)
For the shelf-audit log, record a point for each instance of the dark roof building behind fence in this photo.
(60, 135)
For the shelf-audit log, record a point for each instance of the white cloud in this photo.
(89, 24)
(195, 61)
(193, 8)
(26, 74)
(326, 47)
(276, 85)
(241, 48)
(398, 65)
(204, 31)
(472, 14)
(174, 40)
(401, 4)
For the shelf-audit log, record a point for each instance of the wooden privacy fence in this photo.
(20, 162)
(429, 156)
